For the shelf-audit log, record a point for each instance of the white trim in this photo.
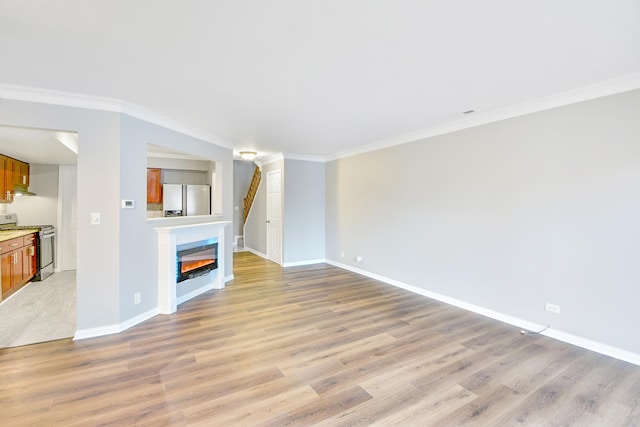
(520, 323)
(271, 159)
(305, 157)
(60, 229)
(115, 329)
(229, 278)
(253, 251)
(97, 332)
(305, 262)
(596, 346)
(68, 99)
(169, 238)
(239, 236)
(196, 292)
(585, 93)
(138, 319)
(56, 97)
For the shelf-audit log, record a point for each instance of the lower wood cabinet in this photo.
(18, 261)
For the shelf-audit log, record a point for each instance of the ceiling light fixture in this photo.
(248, 155)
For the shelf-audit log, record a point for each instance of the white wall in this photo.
(43, 207)
(304, 212)
(507, 216)
(98, 191)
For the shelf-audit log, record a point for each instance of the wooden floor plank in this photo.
(315, 345)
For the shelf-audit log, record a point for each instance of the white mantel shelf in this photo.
(169, 237)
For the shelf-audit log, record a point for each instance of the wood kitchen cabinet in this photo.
(18, 261)
(22, 170)
(29, 258)
(12, 172)
(154, 185)
(3, 186)
(7, 173)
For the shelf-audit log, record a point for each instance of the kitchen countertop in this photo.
(12, 234)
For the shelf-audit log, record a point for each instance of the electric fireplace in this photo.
(196, 259)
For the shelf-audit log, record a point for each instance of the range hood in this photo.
(22, 190)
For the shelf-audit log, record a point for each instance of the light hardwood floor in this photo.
(315, 345)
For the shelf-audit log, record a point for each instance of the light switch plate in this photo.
(95, 218)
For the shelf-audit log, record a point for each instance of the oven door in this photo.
(45, 256)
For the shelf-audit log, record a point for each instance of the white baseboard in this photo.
(201, 290)
(229, 278)
(306, 262)
(119, 327)
(288, 264)
(598, 347)
(253, 251)
(116, 328)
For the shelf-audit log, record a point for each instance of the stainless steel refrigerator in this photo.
(181, 200)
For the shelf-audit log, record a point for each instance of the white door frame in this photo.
(270, 255)
(67, 220)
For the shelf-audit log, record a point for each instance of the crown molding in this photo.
(586, 93)
(273, 158)
(598, 90)
(76, 100)
(55, 97)
(305, 157)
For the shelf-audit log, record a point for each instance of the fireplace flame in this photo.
(192, 265)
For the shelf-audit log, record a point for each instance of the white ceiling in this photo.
(317, 77)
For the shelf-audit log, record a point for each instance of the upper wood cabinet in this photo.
(7, 172)
(12, 172)
(154, 185)
(23, 173)
(3, 186)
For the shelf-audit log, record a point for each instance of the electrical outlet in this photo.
(342, 254)
(137, 298)
(552, 308)
(358, 258)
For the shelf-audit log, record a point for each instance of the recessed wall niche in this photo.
(168, 166)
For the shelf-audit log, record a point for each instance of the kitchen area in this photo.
(26, 251)
(37, 177)
(178, 184)
(38, 224)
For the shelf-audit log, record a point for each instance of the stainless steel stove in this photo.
(45, 244)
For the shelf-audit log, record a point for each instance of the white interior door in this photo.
(274, 216)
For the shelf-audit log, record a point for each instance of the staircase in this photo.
(251, 193)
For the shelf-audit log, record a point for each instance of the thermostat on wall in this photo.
(128, 204)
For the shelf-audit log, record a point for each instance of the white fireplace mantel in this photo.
(169, 237)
